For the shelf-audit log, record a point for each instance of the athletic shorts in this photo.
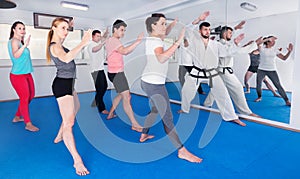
(119, 80)
(253, 69)
(63, 86)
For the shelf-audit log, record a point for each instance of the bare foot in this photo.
(111, 116)
(105, 112)
(180, 111)
(247, 91)
(257, 99)
(17, 119)
(254, 115)
(145, 137)
(138, 129)
(183, 153)
(29, 126)
(80, 169)
(58, 138)
(239, 122)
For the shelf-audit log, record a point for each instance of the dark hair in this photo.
(12, 30)
(223, 30)
(96, 32)
(153, 20)
(204, 24)
(117, 24)
(266, 42)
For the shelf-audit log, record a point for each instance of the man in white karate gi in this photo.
(233, 85)
(206, 58)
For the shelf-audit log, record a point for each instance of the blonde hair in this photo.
(55, 23)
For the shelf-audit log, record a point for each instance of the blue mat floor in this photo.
(270, 107)
(111, 150)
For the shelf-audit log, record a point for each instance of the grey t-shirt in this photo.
(254, 59)
(64, 70)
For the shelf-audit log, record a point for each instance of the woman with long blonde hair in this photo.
(63, 85)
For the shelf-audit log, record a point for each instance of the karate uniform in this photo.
(233, 85)
(207, 59)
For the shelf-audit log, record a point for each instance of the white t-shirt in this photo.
(154, 72)
(96, 58)
(185, 56)
(267, 58)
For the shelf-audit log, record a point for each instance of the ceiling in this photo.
(222, 11)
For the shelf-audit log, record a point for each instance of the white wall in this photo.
(254, 27)
(284, 26)
(295, 113)
(43, 75)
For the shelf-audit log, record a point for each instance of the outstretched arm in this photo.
(102, 42)
(163, 56)
(171, 26)
(126, 50)
(202, 17)
(105, 35)
(58, 51)
(240, 25)
(284, 57)
(238, 39)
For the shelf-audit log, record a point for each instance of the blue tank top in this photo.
(64, 70)
(21, 65)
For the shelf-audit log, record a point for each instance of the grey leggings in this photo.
(275, 80)
(160, 104)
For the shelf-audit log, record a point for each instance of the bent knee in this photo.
(126, 96)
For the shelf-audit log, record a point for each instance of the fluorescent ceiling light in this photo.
(248, 6)
(73, 5)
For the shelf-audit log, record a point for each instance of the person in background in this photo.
(206, 58)
(20, 75)
(254, 62)
(267, 66)
(186, 63)
(63, 85)
(226, 61)
(96, 54)
(115, 51)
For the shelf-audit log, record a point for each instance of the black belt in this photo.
(229, 69)
(206, 74)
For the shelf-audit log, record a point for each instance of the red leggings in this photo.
(24, 86)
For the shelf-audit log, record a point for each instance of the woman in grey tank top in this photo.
(63, 85)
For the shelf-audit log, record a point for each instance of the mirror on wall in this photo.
(262, 20)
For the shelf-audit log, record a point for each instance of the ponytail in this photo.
(50, 35)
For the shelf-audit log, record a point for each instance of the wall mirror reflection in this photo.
(261, 20)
